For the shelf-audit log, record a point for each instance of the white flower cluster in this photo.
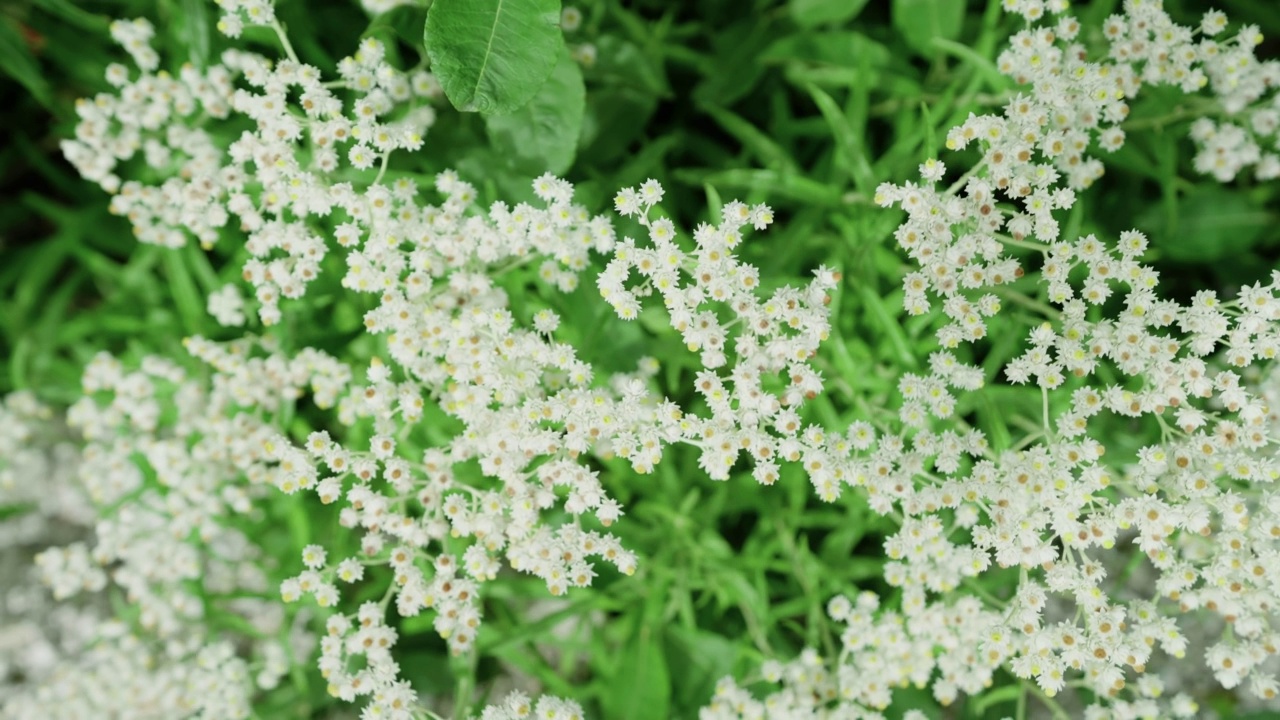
(518, 706)
(529, 406)
(779, 334)
(169, 468)
(1146, 47)
(61, 660)
(156, 481)
(1246, 136)
(34, 632)
(880, 651)
(120, 675)
(33, 444)
(274, 180)
(176, 467)
(454, 343)
(1200, 506)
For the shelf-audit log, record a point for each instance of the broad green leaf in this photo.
(17, 62)
(492, 56)
(811, 13)
(920, 21)
(542, 136)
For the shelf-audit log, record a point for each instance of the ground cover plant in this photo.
(716, 359)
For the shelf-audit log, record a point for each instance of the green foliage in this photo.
(1211, 224)
(542, 135)
(921, 22)
(17, 61)
(491, 56)
(812, 13)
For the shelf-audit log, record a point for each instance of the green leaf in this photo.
(528, 631)
(733, 71)
(616, 117)
(195, 16)
(876, 308)
(836, 48)
(1002, 694)
(767, 183)
(17, 62)
(770, 153)
(625, 85)
(492, 56)
(623, 64)
(542, 136)
(811, 13)
(920, 21)
(986, 68)
(697, 660)
(186, 296)
(66, 10)
(852, 156)
(406, 23)
(1210, 225)
(641, 685)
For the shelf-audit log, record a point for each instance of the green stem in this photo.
(284, 40)
(466, 683)
(983, 593)
(1054, 708)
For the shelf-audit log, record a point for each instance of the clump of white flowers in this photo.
(36, 633)
(166, 468)
(176, 466)
(529, 407)
(1201, 505)
(518, 706)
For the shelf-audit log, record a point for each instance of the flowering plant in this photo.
(460, 410)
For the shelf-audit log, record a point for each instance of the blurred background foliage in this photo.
(804, 104)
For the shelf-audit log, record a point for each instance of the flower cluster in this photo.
(529, 406)
(518, 706)
(121, 675)
(274, 180)
(779, 334)
(176, 469)
(164, 469)
(1199, 506)
(881, 650)
(35, 633)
